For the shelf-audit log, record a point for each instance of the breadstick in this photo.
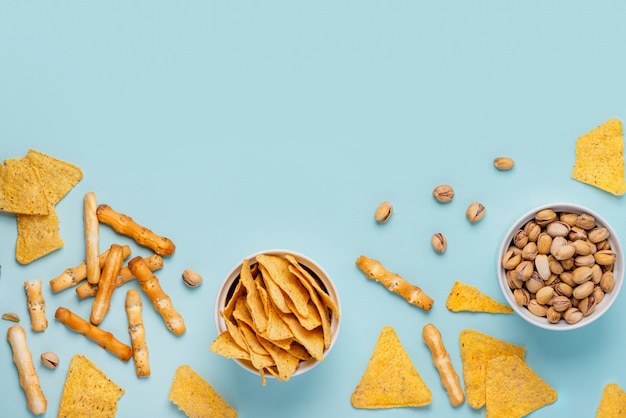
(395, 283)
(160, 300)
(107, 284)
(29, 380)
(36, 305)
(74, 275)
(137, 333)
(103, 338)
(441, 359)
(91, 225)
(85, 289)
(125, 225)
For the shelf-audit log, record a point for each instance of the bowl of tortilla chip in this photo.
(277, 314)
(561, 266)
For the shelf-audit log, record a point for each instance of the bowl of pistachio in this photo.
(560, 266)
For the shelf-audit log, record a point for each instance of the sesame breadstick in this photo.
(29, 380)
(441, 359)
(91, 225)
(36, 305)
(137, 333)
(107, 284)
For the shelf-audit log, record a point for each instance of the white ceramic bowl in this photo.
(609, 297)
(231, 280)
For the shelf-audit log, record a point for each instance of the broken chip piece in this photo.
(464, 297)
(196, 397)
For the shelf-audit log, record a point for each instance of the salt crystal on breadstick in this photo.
(394, 282)
(137, 333)
(107, 284)
(29, 380)
(125, 225)
(104, 339)
(36, 305)
(160, 300)
(91, 225)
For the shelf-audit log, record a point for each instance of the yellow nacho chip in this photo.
(57, 177)
(464, 297)
(612, 403)
(278, 270)
(514, 390)
(20, 188)
(476, 351)
(390, 380)
(600, 158)
(88, 392)
(37, 235)
(196, 397)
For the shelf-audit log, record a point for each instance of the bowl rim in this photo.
(322, 274)
(618, 270)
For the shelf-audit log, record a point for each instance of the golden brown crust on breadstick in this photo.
(85, 289)
(36, 305)
(394, 282)
(125, 225)
(104, 339)
(91, 226)
(137, 333)
(160, 300)
(72, 276)
(29, 380)
(107, 284)
(441, 359)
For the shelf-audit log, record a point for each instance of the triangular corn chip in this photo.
(612, 403)
(21, 190)
(390, 380)
(196, 397)
(57, 177)
(464, 297)
(37, 235)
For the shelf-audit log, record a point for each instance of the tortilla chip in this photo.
(312, 340)
(57, 177)
(613, 402)
(514, 389)
(464, 297)
(225, 346)
(390, 380)
(600, 158)
(322, 310)
(304, 274)
(88, 392)
(20, 188)
(253, 298)
(37, 235)
(278, 269)
(196, 397)
(286, 363)
(476, 351)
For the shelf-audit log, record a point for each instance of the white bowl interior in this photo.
(608, 299)
(314, 268)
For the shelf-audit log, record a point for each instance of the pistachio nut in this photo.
(521, 296)
(572, 315)
(568, 278)
(534, 283)
(581, 274)
(536, 308)
(586, 221)
(529, 252)
(542, 265)
(532, 230)
(603, 245)
(561, 303)
(583, 290)
(553, 316)
(50, 360)
(581, 246)
(520, 238)
(544, 242)
(605, 257)
(576, 233)
(10, 316)
(438, 242)
(512, 280)
(564, 252)
(510, 260)
(607, 282)
(503, 163)
(563, 289)
(383, 212)
(475, 212)
(191, 278)
(568, 218)
(545, 295)
(524, 270)
(598, 234)
(545, 216)
(596, 273)
(587, 305)
(443, 193)
(567, 264)
(585, 260)
(556, 266)
(598, 294)
(557, 229)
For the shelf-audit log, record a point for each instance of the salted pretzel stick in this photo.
(160, 300)
(125, 225)
(36, 305)
(137, 333)
(91, 225)
(74, 275)
(395, 283)
(85, 289)
(441, 359)
(107, 284)
(29, 380)
(104, 339)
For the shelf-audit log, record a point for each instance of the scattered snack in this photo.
(441, 359)
(72, 276)
(439, 242)
(104, 339)
(476, 350)
(383, 212)
(475, 212)
(599, 158)
(137, 333)
(390, 379)
(37, 235)
(88, 392)
(612, 403)
(160, 300)
(196, 397)
(107, 284)
(464, 297)
(191, 278)
(503, 163)
(36, 305)
(125, 225)
(85, 289)
(11, 316)
(393, 282)
(21, 190)
(443, 193)
(49, 359)
(92, 233)
(514, 389)
(57, 177)
(29, 380)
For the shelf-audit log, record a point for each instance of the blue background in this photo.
(237, 126)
